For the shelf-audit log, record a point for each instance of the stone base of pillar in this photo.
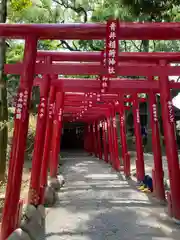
(56, 183)
(31, 212)
(34, 229)
(19, 234)
(33, 221)
(42, 211)
(49, 196)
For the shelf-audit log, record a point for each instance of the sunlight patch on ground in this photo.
(145, 214)
(162, 238)
(102, 176)
(126, 201)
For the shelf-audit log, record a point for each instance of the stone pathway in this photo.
(96, 203)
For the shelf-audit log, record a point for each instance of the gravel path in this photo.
(98, 204)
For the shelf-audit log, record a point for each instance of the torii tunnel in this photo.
(94, 101)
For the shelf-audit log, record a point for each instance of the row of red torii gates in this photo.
(94, 101)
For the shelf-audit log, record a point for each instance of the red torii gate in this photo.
(91, 116)
(85, 31)
(36, 172)
(151, 85)
(154, 57)
(37, 81)
(35, 175)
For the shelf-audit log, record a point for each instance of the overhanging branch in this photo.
(137, 47)
(79, 10)
(66, 45)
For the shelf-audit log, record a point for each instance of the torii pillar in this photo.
(47, 142)
(170, 142)
(10, 210)
(35, 190)
(56, 135)
(140, 169)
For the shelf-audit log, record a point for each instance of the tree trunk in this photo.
(3, 96)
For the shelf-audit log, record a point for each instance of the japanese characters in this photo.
(112, 47)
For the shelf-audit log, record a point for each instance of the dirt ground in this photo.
(24, 186)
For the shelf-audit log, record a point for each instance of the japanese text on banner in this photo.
(42, 107)
(21, 106)
(112, 47)
(104, 79)
(170, 111)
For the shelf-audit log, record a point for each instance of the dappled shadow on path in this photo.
(96, 204)
(117, 224)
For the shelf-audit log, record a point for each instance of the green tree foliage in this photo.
(3, 96)
(14, 54)
(151, 10)
(19, 5)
